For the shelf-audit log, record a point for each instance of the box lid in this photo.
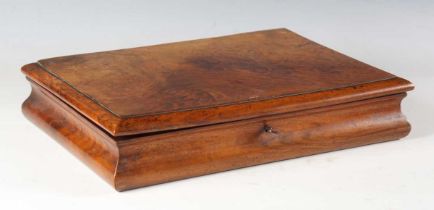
(208, 81)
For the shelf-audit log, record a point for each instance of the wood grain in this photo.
(91, 145)
(155, 114)
(214, 80)
(142, 160)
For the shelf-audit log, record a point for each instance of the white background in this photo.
(37, 173)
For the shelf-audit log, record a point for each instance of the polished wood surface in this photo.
(201, 82)
(150, 115)
(177, 155)
(142, 160)
(92, 146)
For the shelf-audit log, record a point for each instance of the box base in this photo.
(141, 160)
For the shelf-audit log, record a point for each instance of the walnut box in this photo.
(155, 114)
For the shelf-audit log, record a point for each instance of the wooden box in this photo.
(154, 114)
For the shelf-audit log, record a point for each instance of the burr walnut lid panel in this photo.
(208, 81)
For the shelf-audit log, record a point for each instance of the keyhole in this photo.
(268, 129)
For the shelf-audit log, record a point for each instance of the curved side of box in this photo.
(149, 160)
(144, 160)
(93, 147)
